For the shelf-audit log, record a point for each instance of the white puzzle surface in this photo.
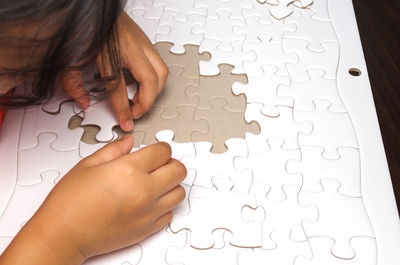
(312, 187)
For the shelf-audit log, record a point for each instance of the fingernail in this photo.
(129, 125)
(137, 116)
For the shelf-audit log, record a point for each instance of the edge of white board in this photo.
(376, 184)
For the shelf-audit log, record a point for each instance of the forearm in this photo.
(43, 244)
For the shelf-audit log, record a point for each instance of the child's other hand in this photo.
(109, 200)
(140, 57)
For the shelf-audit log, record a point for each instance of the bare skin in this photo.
(143, 61)
(109, 200)
(112, 198)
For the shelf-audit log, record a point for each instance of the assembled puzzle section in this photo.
(254, 106)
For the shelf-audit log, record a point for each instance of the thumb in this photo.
(110, 152)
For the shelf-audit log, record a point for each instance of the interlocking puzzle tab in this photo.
(281, 9)
(274, 162)
(230, 218)
(219, 86)
(188, 61)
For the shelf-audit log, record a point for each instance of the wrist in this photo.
(42, 242)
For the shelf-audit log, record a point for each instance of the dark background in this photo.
(379, 26)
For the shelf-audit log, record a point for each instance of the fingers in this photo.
(168, 176)
(120, 102)
(151, 157)
(148, 81)
(119, 96)
(161, 222)
(110, 152)
(72, 85)
(145, 64)
(170, 200)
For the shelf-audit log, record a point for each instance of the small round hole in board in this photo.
(355, 71)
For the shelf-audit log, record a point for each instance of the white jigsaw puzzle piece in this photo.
(152, 11)
(260, 11)
(307, 59)
(225, 208)
(285, 253)
(234, 57)
(331, 130)
(282, 9)
(283, 214)
(235, 7)
(53, 106)
(314, 31)
(304, 93)
(267, 53)
(263, 89)
(148, 25)
(269, 168)
(221, 29)
(9, 138)
(179, 150)
(37, 121)
(314, 167)
(283, 126)
(182, 8)
(256, 142)
(364, 247)
(154, 247)
(209, 165)
(25, 201)
(320, 9)
(102, 115)
(340, 217)
(227, 254)
(30, 161)
(254, 28)
(180, 32)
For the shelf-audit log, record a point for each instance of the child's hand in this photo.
(109, 200)
(140, 57)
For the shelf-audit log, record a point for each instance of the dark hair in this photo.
(84, 29)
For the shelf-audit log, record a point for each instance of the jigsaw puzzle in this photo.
(285, 251)
(273, 160)
(245, 234)
(234, 57)
(220, 86)
(180, 31)
(254, 107)
(281, 9)
(188, 60)
(223, 254)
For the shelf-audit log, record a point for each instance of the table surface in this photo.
(379, 27)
